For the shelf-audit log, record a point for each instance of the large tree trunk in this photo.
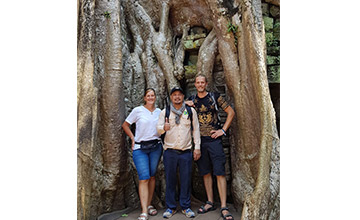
(102, 156)
(86, 108)
(207, 54)
(263, 203)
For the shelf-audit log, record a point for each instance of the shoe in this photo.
(152, 211)
(202, 209)
(168, 213)
(143, 216)
(188, 213)
(227, 215)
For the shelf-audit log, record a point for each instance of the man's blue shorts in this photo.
(146, 161)
(212, 157)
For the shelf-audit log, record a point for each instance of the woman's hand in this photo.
(126, 127)
(132, 143)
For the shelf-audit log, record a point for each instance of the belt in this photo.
(148, 142)
(179, 151)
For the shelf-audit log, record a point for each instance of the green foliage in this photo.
(107, 14)
(274, 73)
(232, 28)
(270, 40)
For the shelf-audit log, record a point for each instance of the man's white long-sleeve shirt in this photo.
(179, 135)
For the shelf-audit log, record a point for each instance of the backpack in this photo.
(167, 114)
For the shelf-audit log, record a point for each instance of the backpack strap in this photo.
(167, 111)
(167, 114)
(188, 109)
(212, 95)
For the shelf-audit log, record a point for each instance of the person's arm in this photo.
(126, 127)
(230, 115)
(131, 118)
(196, 135)
(161, 122)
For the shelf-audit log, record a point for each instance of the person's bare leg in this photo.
(144, 194)
(151, 192)
(221, 183)
(209, 189)
(151, 189)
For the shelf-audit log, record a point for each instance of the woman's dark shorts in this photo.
(212, 157)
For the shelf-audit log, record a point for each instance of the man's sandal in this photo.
(152, 211)
(202, 209)
(227, 215)
(143, 216)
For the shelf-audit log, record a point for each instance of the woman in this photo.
(146, 160)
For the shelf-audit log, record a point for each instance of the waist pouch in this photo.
(146, 145)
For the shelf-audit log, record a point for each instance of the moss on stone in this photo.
(193, 44)
(189, 44)
(269, 37)
(195, 36)
(268, 23)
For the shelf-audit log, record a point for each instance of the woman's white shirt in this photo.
(146, 122)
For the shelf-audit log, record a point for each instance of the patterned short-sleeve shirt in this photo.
(207, 114)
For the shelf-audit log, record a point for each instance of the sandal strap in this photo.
(224, 208)
(143, 216)
(229, 215)
(209, 203)
(152, 210)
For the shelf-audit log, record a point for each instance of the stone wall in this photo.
(271, 15)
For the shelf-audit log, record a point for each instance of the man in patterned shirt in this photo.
(212, 153)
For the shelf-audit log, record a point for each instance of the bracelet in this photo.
(223, 131)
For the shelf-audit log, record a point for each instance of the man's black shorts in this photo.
(212, 157)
